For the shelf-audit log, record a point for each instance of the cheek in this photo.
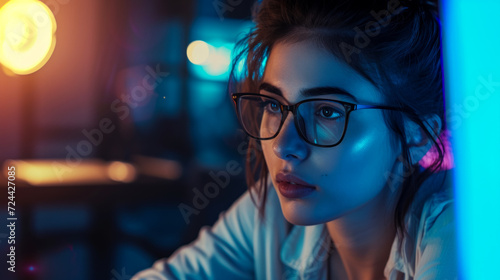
(356, 170)
(366, 144)
(268, 153)
(273, 162)
(348, 175)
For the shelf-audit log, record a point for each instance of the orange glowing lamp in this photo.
(27, 36)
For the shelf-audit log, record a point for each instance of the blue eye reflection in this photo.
(328, 112)
(271, 106)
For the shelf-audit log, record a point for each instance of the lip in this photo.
(291, 186)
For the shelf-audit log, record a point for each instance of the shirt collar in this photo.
(306, 248)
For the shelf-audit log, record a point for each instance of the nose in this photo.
(288, 144)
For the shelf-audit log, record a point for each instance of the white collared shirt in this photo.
(242, 245)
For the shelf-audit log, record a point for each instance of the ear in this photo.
(416, 138)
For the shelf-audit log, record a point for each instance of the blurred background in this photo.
(117, 119)
(118, 139)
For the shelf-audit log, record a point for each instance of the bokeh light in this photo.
(121, 172)
(198, 52)
(218, 61)
(27, 35)
(210, 60)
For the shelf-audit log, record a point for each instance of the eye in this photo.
(271, 106)
(328, 112)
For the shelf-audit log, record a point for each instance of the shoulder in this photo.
(429, 250)
(240, 245)
(437, 212)
(435, 232)
(434, 236)
(434, 208)
(435, 256)
(243, 217)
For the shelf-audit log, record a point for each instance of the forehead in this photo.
(295, 67)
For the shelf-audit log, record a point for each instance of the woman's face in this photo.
(344, 177)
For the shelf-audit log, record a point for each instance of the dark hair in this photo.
(393, 44)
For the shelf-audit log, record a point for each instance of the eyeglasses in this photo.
(320, 122)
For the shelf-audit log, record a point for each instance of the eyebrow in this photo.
(309, 92)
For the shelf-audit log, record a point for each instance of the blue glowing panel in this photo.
(472, 72)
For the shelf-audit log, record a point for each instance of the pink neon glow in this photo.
(432, 154)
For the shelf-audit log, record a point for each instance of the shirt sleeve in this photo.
(436, 251)
(224, 251)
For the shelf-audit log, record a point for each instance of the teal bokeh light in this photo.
(221, 38)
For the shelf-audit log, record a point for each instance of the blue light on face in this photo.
(472, 73)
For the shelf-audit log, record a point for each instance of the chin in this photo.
(299, 220)
(303, 217)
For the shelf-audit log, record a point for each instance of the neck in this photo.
(364, 237)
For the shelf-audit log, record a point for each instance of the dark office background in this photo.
(116, 131)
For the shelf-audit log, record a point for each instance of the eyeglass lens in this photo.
(319, 121)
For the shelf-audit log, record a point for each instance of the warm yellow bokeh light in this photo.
(198, 52)
(121, 171)
(27, 35)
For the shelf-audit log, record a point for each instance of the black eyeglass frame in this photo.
(285, 109)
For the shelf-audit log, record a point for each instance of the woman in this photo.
(341, 99)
